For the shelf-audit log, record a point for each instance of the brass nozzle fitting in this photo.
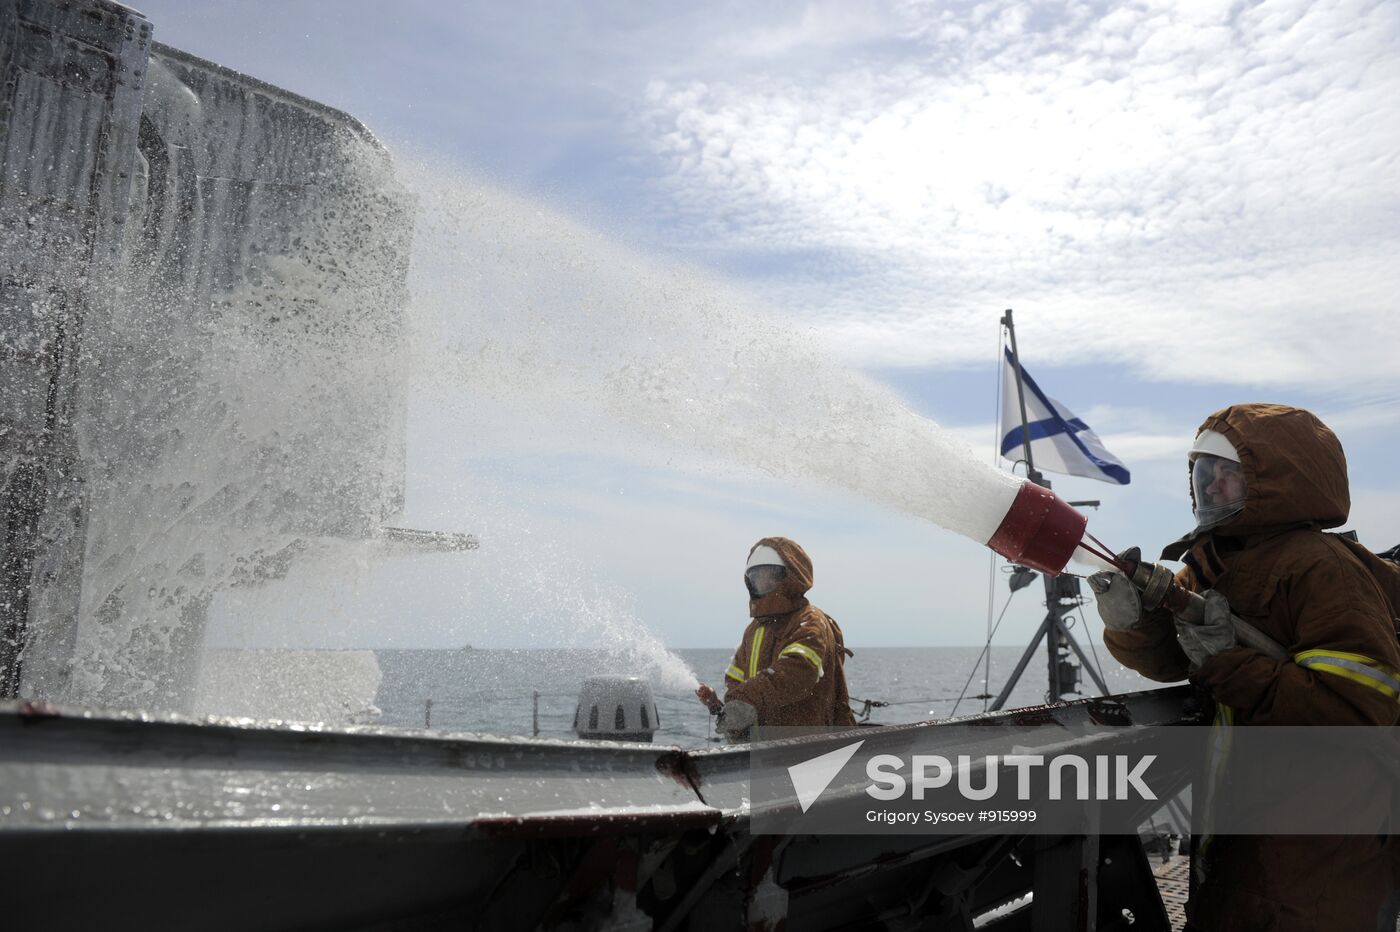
(1154, 581)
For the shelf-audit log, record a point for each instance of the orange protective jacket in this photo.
(790, 665)
(1315, 594)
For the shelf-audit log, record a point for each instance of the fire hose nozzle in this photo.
(1154, 581)
(1159, 587)
(1040, 530)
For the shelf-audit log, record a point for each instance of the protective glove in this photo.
(736, 720)
(1214, 634)
(1118, 600)
(706, 694)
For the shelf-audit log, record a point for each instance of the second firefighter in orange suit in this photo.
(790, 666)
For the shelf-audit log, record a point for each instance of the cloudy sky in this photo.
(1187, 204)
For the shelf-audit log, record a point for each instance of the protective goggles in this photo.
(764, 578)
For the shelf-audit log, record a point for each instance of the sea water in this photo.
(492, 691)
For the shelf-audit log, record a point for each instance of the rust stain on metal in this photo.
(679, 766)
(1037, 715)
(1109, 712)
(32, 711)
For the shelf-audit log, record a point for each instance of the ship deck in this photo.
(363, 827)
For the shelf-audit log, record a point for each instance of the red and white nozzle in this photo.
(1040, 530)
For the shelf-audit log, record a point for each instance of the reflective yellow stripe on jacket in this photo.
(806, 653)
(735, 674)
(1356, 667)
(753, 651)
(1222, 735)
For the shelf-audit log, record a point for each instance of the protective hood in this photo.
(789, 596)
(1294, 469)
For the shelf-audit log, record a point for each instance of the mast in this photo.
(1021, 398)
(1062, 592)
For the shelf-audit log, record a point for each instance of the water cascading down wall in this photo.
(202, 283)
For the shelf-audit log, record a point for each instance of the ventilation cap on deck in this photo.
(616, 708)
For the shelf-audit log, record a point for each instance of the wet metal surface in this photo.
(169, 229)
(81, 769)
(333, 825)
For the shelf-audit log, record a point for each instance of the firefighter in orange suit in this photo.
(790, 666)
(1265, 481)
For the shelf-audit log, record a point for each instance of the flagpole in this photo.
(1061, 591)
(1021, 397)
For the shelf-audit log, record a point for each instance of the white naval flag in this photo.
(1060, 442)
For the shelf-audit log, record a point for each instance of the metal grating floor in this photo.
(1173, 878)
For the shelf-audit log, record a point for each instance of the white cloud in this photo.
(819, 25)
(1192, 188)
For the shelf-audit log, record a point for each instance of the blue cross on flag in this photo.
(1060, 442)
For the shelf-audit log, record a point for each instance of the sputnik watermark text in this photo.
(939, 817)
(1101, 778)
(1057, 778)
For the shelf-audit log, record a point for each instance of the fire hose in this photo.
(1042, 531)
(1159, 588)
